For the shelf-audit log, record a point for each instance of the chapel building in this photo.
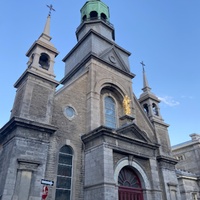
(92, 137)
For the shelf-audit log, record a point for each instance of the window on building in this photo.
(93, 15)
(146, 109)
(44, 61)
(103, 17)
(84, 18)
(64, 174)
(180, 157)
(110, 112)
(155, 109)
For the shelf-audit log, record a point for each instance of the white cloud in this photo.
(169, 101)
(187, 97)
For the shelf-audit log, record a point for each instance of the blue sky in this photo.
(165, 35)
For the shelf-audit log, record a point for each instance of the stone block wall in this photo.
(25, 163)
(99, 175)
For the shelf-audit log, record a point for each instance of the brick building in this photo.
(92, 137)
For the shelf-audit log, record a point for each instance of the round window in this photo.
(69, 112)
(112, 59)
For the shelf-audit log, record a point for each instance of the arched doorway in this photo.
(129, 185)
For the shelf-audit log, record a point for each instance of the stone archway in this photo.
(139, 171)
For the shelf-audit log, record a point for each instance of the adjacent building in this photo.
(188, 167)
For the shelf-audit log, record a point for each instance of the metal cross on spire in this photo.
(142, 63)
(50, 9)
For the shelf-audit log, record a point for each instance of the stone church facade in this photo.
(92, 137)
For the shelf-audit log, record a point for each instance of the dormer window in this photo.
(44, 61)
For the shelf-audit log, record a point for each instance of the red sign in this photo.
(45, 192)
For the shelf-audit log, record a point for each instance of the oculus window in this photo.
(69, 112)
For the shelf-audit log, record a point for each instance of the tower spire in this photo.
(148, 100)
(146, 87)
(47, 27)
(46, 32)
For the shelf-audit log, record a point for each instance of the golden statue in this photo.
(127, 105)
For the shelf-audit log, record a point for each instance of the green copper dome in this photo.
(95, 9)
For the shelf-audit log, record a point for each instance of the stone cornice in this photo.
(30, 72)
(44, 45)
(20, 122)
(103, 131)
(167, 159)
(85, 60)
(159, 121)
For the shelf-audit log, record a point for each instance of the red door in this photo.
(126, 193)
(129, 185)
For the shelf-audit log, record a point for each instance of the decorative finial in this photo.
(127, 105)
(142, 63)
(50, 9)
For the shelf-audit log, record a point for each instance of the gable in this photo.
(112, 56)
(132, 131)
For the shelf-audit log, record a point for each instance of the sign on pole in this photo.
(47, 182)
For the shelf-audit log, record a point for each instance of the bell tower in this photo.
(42, 53)
(36, 86)
(25, 138)
(93, 13)
(150, 105)
(148, 100)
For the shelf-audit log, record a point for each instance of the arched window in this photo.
(44, 61)
(129, 185)
(84, 18)
(103, 17)
(146, 109)
(155, 109)
(64, 174)
(110, 112)
(93, 15)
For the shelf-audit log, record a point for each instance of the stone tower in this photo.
(92, 137)
(150, 105)
(25, 138)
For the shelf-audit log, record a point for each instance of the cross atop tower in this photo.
(50, 9)
(142, 63)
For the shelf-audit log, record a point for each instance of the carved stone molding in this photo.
(28, 165)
